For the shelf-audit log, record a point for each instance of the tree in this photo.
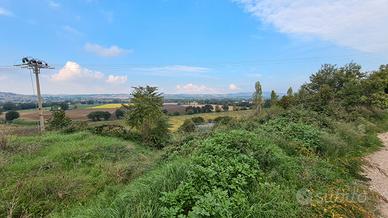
(290, 92)
(11, 115)
(258, 98)
(58, 120)
(218, 109)
(274, 98)
(99, 115)
(120, 113)
(225, 107)
(145, 113)
(9, 106)
(207, 108)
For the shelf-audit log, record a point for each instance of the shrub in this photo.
(99, 115)
(120, 113)
(187, 126)
(11, 115)
(58, 120)
(76, 126)
(223, 119)
(198, 120)
(115, 131)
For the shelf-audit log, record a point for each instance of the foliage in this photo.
(187, 126)
(225, 107)
(145, 113)
(11, 115)
(58, 120)
(99, 115)
(258, 98)
(274, 98)
(198, 120)
(218, 109)
(54, 172)
(120, 113)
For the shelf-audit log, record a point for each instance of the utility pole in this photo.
(35, 65)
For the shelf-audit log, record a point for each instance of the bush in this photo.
(99, 115)
(58, 120)
(119, 113)
(187, 126)
(198, 120)
(223, 120)
(11, 115)
(115, 131)
(76, 126)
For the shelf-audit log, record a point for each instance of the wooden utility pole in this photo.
(35, 65)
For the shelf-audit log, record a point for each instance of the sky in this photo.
(186, 46)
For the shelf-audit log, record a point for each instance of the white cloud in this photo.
(194, 89)
(3, 78)
(73, 71)
(4, 12)
(233, 87)
(71, 30)
(54, 4)
(111, 51)
(116, 79)
(357, 24)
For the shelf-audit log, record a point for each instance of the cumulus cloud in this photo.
(73, 70)
(194, 89)
(117, 79)
(4, 12)
(357, 24)
(111, 51)
(233, 87)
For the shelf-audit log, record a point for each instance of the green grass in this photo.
(50, 173)
(177, 121)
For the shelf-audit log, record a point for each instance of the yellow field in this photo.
(177, 121)
(107, 106)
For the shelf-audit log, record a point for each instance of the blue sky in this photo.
(191, 46)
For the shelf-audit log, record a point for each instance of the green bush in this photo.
(11, 115)
(99, 115)
(187, 126)
(58, 120)
(198, 120)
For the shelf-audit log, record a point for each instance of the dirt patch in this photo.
(377, 172)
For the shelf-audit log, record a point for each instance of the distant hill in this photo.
(19, 98)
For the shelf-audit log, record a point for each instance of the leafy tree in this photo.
(11, 115)
(58, 120)
(119, 113)
(218, 109)
(274, 98)
(258, 98)
(208, 108)
(145, 113)
(9, 106)
(290, 92)
(99, 115)
(225, 107)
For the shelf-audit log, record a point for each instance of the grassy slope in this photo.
(255, 170)
(56, 171)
